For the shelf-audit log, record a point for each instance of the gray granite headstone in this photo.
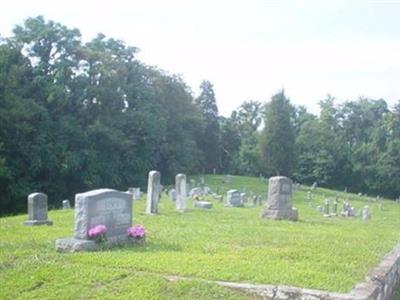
(153, 192)
(66, 204)
(99, 207)
(180, 186)
(37, 210)
(279, 204)
(233, 198)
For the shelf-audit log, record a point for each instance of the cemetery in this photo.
(120, 179)
(224, 251)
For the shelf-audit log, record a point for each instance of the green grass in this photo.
(231, 244)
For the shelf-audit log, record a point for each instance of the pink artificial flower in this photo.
(97, 231)
(137, 231)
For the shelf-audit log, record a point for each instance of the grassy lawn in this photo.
(224, 243)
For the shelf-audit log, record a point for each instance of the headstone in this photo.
(172, 195)
(259, 200)
(314, 185)
(347, 210)
(66, 204)
(233, 198)
(279, 204)
(153, 192)
(107, 207)
(180, 186)
(320, 208)
(37, 210)
(334, 208)
(243, 197)
(366, 214)
(203, 204)
(206, 190)
(227, 179)
(326, 208)
(135, 191)
(196, 191)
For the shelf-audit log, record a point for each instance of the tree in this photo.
(277, 141)
(210, 139)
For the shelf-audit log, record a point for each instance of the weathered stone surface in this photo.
(279, 205)
(103, 207)
(99, 207)
(233, 198)
(180, 186)
(203, 204)
(37, 210)
(153, 192)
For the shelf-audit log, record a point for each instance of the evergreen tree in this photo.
(277, 141)
(210, 139)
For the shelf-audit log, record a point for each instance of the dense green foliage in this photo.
(277, 143)
(76, 116)
(225, 243)
(81, 116)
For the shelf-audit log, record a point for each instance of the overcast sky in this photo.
(248, 49)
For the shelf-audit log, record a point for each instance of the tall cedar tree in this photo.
(210, 141)
(277, 142)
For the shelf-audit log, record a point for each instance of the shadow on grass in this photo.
(147, 247)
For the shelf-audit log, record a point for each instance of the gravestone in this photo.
(347, 210)
(203, 204)
(227, 179)
(135, 191)
(180, 186)
(233, 198)
(37, 210)
(153, 192)
(197, 191)
(206, 190)
(107, 207)
(366, 214)
(172, 195)
(66, 204)
(243, 197)
(326, 208)
(334, 207)
(279, 204)
(314, 185)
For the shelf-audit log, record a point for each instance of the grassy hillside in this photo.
(224, 243)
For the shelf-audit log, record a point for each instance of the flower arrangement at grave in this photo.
(98, 233)
(137, 233)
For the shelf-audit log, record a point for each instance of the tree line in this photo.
(76, 116)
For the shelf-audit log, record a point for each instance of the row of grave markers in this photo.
(114, 209)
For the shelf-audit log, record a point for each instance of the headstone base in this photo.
(290, 214)
(80, 245)
(37, 222)
(203, 204)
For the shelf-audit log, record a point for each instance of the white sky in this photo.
(248, 49)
